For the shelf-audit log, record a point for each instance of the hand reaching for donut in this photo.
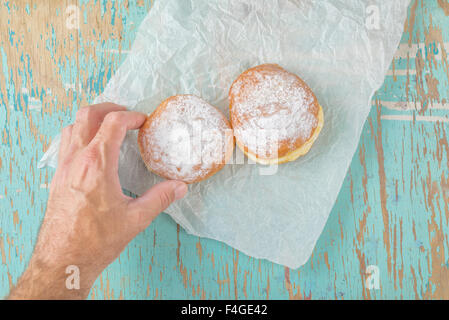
(89, 220)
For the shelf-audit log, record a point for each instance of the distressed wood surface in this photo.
(392, 212)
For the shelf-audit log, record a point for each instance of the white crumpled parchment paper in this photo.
(200, 47)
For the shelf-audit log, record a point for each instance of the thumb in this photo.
(155, 200)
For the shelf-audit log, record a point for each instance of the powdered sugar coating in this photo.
(186, 139)
(272, 111)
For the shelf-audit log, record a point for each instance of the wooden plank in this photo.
(392, 212)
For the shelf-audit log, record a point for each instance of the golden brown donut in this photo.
(185, 139)
(275, 116)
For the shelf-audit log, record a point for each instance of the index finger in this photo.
(88, 121)
(113, 130)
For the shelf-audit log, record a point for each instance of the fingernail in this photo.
(180, 190)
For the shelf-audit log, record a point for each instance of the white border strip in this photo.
(405, 50)
(414, 118)
(407, 106)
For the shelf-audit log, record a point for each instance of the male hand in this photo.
(89, 220)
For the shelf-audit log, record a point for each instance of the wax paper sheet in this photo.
(342, 49)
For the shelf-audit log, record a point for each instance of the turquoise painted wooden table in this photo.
(391, 219)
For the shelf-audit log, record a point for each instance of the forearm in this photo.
(89, 220)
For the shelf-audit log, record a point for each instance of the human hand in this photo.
(89, 220)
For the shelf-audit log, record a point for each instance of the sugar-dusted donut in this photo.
(185, 139)
(275, 116)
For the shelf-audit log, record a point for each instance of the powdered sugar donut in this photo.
(275, 115)
(186, 139)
